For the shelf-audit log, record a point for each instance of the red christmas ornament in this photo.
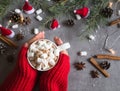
(27, 8)
(7, 32)
(83, 12)
(54, 24)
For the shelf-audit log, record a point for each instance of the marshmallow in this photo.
(41, 43)
(38, 11)
(47, 46)
(50, 44)
(78, 17)
(33, 48)
(44, 56)
(18, 11)
(45, 62)
(39, 60)
(52, 55)
(40, 67)
(36, 30)
(83, 53)
(15, 26)
(31, 54)
(52, 62)
(91, 37)
(39, 18)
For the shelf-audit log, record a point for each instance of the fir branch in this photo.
(67, 6)
(4, 4)
(95, 19)
(40, 4)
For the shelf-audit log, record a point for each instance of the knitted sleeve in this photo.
(22, 78)
(56, 79)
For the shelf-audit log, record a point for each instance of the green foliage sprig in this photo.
(4, 4)
(67, 6)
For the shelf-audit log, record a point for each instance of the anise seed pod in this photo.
(79, 65)
(94, 74)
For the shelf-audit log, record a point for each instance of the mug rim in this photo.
(31, 63)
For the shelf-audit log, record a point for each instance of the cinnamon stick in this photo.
(107, 56)
(8, 41)
(114, 22)
(94, 63)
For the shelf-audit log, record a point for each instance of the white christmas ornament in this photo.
(36, 31)
(83, 53)
(91, 37)
(38, 11)
(39, 18)
(18, 11)
(112, 51)
(15, 26)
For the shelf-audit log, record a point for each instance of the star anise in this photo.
(79, 65)
(105, 65)
(94, 74)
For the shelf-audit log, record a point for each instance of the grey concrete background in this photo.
(78, 80)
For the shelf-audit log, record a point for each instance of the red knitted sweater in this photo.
(23, 77)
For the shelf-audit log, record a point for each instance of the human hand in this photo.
(23, 77)
(23, 62)
(59, 42)
(40, 35)
(56, 79)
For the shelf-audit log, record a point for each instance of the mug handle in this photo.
(64, 46)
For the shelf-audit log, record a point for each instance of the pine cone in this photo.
(106, 12)
(69, 22)
(14, 17)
